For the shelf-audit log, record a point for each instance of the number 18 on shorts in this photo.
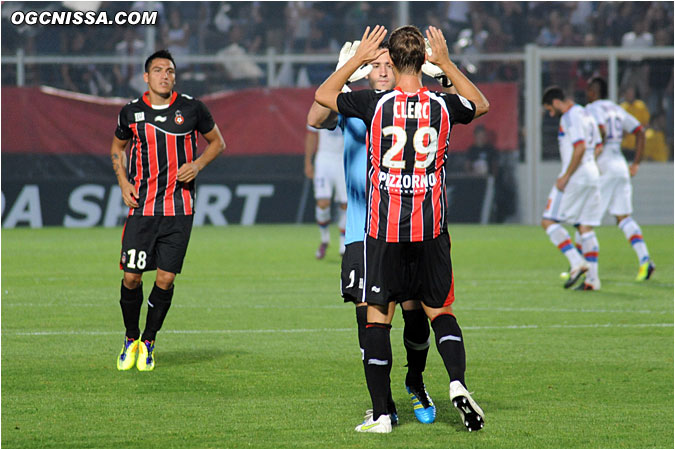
(151, 242)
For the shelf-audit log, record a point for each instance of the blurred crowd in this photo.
(255, 28)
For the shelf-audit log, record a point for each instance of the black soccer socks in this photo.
(416, 343)
(450, 345)
(361, 321)
(378, 359)
(131, 301)
(159, 303)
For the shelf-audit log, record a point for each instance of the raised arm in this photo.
(326, 95)
(321, 117)
(464, 86)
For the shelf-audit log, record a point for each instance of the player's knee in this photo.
(132, 280)
(165, 280)
(620, 218)
(323, 203)
(584, 228)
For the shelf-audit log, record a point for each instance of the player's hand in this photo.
(561, 183)
(433, 70)
(633, 169)
(309, 170)
(429, 68)
(368, 50)
(187, 172)
(346, 53)
(129, 195)
(439, 48)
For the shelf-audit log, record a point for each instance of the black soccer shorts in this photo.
(400, 271)
(351, 277)
(149, 242)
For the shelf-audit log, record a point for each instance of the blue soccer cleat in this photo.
(423, 406)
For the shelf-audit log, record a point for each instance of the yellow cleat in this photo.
(645, 271)
(127, 357)
(146, 356)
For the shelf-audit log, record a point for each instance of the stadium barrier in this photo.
(274, 191)
(59, 173)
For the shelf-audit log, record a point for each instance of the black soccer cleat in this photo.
(473, 416)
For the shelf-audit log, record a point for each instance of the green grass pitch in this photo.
(258, 349)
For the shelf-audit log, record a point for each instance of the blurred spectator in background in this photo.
(659, 74)
(514, 22)
(298, 25)
(657, 147)
(639, 36)
(551, 33)
(638, 109)
(240, 69)
(84, 78)
(129, 77)
(457, 19)
(482, 156)
(176, 35)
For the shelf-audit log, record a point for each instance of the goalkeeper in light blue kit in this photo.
(380, 76)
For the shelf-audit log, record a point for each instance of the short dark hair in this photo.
(552, 93)
(163, 54)
(600, 84)
(406, 49)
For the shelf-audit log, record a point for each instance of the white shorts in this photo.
(329, 179)
(579, 204)
(616, 195)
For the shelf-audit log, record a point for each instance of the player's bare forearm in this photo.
(466, 88)
(119, 163)
(311, 141)
(462, 84)
(639, 146)
(188, 172)
(326, 95)
(577, 155)
(321, 117)
(119, 159)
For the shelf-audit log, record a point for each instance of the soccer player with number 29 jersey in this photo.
(407, 246)
(158, 186)
(380, 75)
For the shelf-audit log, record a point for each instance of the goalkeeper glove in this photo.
(346, 53)
(433, 70)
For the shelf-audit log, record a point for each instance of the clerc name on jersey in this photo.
(407, 181)
(414, 110)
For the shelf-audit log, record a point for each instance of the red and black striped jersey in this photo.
(162, 140)
(408, 136)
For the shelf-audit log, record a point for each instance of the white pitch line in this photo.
(339, 306)
(338, 330)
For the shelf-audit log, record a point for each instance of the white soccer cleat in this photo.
(575, 274)
(381, 425)
(473, 416)
(589, 285)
